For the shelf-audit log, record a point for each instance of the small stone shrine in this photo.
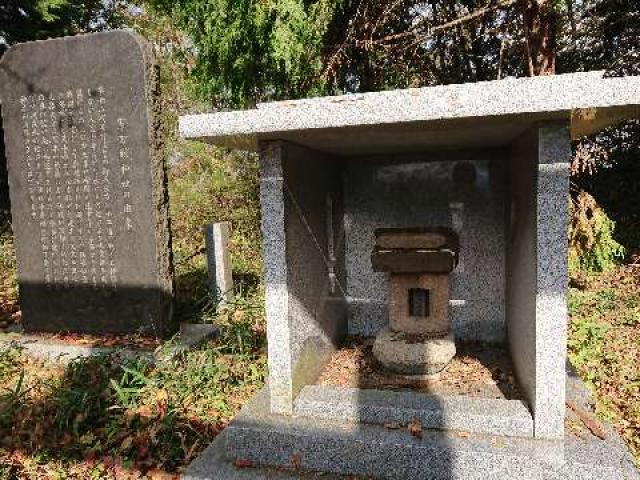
(88, 187)
(418, 340)
(413, 214)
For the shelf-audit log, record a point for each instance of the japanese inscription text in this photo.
(70, 184)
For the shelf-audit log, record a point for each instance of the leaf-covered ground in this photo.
(604, 346)
(9, 309)
(102, 418)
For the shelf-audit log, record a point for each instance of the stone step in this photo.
(461, 413)
(212, 464)
(259, 438)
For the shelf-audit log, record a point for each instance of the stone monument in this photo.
(219, 270)
(418, 340)
(489, 163)
(88, 186)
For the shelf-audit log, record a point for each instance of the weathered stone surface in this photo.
(190, 336)
(467, 115)
(437, 321)
(401, 250)
(413, 356)
(413, 261)
(411, 238)
(219, 260)
(303, 238)
(456, 412)
(88, 185)
(258, 437)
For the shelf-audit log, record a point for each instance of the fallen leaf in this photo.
(296, 460)
(143, 411)
(90, 457)
(157, 474)
(415, 428)
(589, 420)
(242, 463)
(162, 396)
(143, 452)
(126, 443)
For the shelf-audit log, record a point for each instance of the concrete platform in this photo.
(189, 336)
(463, 413)
(298, 445)
(213, 465)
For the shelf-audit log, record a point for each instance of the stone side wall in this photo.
(421, 194)
(537, 272)
(302, 224)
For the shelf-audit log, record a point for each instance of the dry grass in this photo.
(102, 417)
(604, 346)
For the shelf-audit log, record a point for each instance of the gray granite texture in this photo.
(213, 465)
(419, 192)
(219, 260)
(301, 200)
(478, 415)
(401, 353)
(537, 265)
(84, 147)
(257, 437)
(453, 116)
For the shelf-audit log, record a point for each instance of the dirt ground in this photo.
(138, 342)
(477, 370)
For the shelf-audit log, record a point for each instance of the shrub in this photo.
(592, 247)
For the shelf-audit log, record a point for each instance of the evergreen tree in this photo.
(252, 50)
(24, 20)
(257, 50)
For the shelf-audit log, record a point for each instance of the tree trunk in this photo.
(540, 22)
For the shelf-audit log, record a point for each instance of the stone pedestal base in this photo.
(413, 354)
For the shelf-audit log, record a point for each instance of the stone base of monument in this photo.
(413, 354)
(46, 348)
(346, 432)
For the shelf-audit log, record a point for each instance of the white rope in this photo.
(326, 261)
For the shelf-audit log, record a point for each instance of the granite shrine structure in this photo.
(487, 161)
(88, 185)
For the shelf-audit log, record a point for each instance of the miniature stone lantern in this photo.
(418, 340)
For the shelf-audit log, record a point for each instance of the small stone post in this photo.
(219, 260)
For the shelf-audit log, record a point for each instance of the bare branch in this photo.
(439, 28)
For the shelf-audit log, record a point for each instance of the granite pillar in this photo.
(302, 217)
(537, 271)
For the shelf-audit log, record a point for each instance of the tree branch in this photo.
(438, 28)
